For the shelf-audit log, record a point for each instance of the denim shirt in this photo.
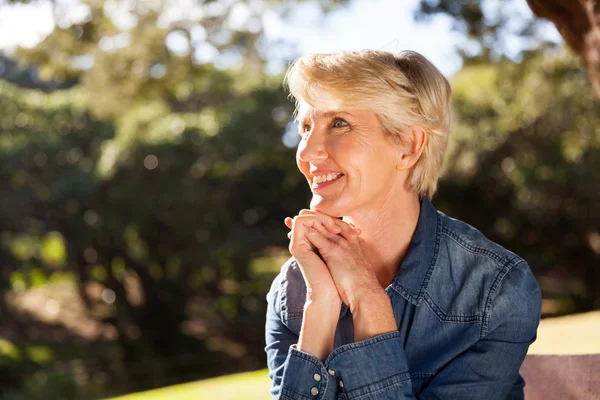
(466, 311)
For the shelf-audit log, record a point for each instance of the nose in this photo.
(312, 147)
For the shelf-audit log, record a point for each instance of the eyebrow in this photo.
(327, 114)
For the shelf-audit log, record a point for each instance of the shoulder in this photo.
(475, 277)
(288, 291)
(464, 238)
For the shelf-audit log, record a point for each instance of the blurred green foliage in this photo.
(156, 182)
(522, 168)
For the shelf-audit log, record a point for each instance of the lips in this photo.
(327, 177)
(322, 181)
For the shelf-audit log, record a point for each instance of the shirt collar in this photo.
(413, 276)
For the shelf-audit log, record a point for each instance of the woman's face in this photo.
(347, 161)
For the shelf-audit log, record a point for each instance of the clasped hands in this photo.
(334, 263)
(332, 258)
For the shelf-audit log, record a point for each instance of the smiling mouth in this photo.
(320, 181)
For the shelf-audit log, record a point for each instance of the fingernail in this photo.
(358, 231)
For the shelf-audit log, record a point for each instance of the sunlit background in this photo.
(147, 164)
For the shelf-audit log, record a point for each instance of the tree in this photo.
(157, 170)
(522, 168)
(578, 22)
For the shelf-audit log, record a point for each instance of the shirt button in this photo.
(341, 384)
(314, 391)
(331, 372)
(317, 377)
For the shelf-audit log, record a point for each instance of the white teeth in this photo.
(324, 178)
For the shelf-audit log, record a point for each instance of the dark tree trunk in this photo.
(578, 21)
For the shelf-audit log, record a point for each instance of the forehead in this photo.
(308, 113)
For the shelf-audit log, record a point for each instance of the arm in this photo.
(293, 361)
(376, 368)
(490, 369)
(278, 338)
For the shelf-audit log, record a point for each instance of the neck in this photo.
(387, 231)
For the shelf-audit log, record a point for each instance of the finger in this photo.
(319, 241)
(349, 232)
(325, 232)
(289, 222)
(297, 235)
(332, 224)
(300, 226)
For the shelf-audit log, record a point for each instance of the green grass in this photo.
(246, 386)
(573, 334)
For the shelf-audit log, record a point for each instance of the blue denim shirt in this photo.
(466, 310)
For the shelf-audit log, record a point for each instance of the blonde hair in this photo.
(403, 90)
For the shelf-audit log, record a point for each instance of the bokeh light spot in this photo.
(108, 296)
(151, 162)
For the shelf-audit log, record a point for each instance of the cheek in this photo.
(298, 150)
(345, 150)
(353, 156)
(302, 165)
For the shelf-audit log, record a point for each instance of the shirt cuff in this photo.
(305, 377)
(371, 365)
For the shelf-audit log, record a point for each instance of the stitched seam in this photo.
(319, 367)
(307, 357)
(326, 379)
(295, 314)
(460, 319)
(475, 249)
(400, 379)
(407, 295)
(433, 261)
(283, 291)
(422, 375)
(352, 347)
(292, 394)
(488, 303)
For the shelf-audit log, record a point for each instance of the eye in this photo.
(339, 123)
(305, 128)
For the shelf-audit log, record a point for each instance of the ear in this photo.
(416, 140)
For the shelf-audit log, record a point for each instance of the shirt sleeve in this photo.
(490, 368)
(294, 374)
(377, 368)
(278, 339)
(365, 370)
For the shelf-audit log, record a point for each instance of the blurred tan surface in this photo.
(564, 361)
(571, 334)
(561, 377)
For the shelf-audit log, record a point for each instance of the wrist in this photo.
(366, 295)
(326, 307)
(372, 315)
(319, 324)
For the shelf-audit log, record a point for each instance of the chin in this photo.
(324, 206)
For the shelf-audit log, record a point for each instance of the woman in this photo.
(395, 300)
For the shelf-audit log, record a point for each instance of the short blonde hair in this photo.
(403, 90)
